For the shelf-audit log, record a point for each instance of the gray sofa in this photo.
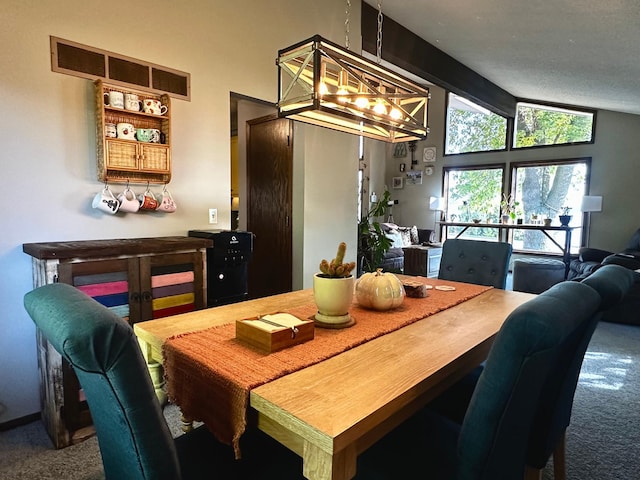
(591, 259)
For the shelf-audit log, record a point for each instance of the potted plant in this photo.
(564, 217)
(508, 207)
(333, 290)
(372, 242)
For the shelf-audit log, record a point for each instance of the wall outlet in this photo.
(213, 215)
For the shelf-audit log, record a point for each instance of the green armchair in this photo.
(134, 439)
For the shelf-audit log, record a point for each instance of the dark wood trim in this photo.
(19, 422)
(557, 105)
(405, 49)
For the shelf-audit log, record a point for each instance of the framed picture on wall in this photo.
(429, 154)
(400, 150)
(397, 182)
(414, 177)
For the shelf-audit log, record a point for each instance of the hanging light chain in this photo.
(379, 38)
(346, 25)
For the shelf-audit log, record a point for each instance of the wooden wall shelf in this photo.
(122, 160)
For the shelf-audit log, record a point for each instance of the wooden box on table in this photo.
(275, 331)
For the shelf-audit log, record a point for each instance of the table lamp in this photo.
(436, 204)
(590, 203)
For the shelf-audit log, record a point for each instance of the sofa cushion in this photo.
(634, 243)
(396, 238)
(405, 233)
(387, 226)
(394, 253)
(588, 254)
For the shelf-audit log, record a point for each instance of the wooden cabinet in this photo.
(139, 279)
(134, 157)
(122, 160)
(423, 261)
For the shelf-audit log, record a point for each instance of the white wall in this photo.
(329, 160)
(47, 132)
(615, 173)
(375, 153)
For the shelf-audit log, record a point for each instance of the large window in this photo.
(472, 128)
(544, 190)
(538, 125)
(473, 193)
(540, 189)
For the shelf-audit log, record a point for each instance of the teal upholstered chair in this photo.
(134, 439)
(475, 261)
(612, 282)
(492, 441)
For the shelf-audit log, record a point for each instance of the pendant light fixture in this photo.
(324, 84)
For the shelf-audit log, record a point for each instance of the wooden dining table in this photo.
(332, 411)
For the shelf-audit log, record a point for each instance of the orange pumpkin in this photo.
(379, 291)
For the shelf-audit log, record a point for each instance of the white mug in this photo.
(106, 201)
(155, 135)
(131, 102)
(128, 201)
(126, 131)
(114, 99)
(167, 204)
(110, 130)
(150, 105)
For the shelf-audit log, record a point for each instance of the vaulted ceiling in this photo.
(577, 52)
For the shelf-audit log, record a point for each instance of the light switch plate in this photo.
(213, 215)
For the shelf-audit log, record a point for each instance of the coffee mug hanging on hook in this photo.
(167, 204)
(105, 200)
(147, 200)
(128, 201)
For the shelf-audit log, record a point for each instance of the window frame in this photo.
(509, 181)
(443, 233)
(508, 130)
(551, 105)
(512, 180)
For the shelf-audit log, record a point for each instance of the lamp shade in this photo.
(591, 203)
(436, 203)
(323, 84)
(235, 203)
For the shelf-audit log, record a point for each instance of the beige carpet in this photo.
(26, 453)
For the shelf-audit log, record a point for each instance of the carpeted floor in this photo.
(603, 441)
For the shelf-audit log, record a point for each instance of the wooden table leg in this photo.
(186, 422)
(321, 465)
(155, 372)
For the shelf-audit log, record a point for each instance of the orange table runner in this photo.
(209, 373)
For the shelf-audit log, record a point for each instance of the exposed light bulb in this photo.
(343, 81)
(362, 101)
(379, 108)
(395, 113)
(323, 89)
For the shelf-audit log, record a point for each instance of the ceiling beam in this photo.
(405, 49)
